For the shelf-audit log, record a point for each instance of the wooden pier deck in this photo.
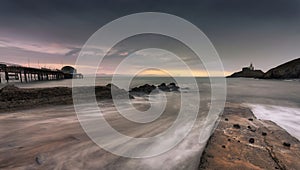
(28, 74)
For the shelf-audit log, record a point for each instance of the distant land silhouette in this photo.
(288, 70)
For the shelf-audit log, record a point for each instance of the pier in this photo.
(28, 74)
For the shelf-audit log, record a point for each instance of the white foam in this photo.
(286, 117)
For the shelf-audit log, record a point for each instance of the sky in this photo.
(51, 33)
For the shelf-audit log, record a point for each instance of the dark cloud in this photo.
(241, 30)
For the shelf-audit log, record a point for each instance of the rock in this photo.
(250, 119)
(173, 87)
(226, 119)
(223, 146)
(264, 133)
(147, 89)
(286, 144)
(163, 87)
(144, 89)
(251, 140)
(112, 86)
(9, 88)
(237, 126)
(289, 70)
(39, 159)
(14, 98)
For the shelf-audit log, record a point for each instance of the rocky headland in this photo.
(248, 74)
(289, 70)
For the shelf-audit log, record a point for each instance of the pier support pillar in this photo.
(25, 76)
(6, 76)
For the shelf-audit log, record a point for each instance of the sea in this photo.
(275, 100)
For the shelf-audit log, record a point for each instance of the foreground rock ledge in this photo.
(243, 142)
(13, 98)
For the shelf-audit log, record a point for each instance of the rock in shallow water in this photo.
(147, 89)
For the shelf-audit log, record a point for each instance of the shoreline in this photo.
(241, 141)
(13, 98)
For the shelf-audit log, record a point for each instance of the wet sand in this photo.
(44, 138)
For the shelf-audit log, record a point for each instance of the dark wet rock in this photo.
(39, 159)
(250, 119)
(173, 87)
(237, 126)
(226, 119)
(251, 140)
(286, 144)
(168, 88)
(146, 89)
(163, 87)
(264, 133)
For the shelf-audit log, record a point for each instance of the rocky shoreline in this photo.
(13, 98)
(241, 141)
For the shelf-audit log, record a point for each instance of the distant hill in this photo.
(289, 70)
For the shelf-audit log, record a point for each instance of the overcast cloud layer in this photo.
(51, 33)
